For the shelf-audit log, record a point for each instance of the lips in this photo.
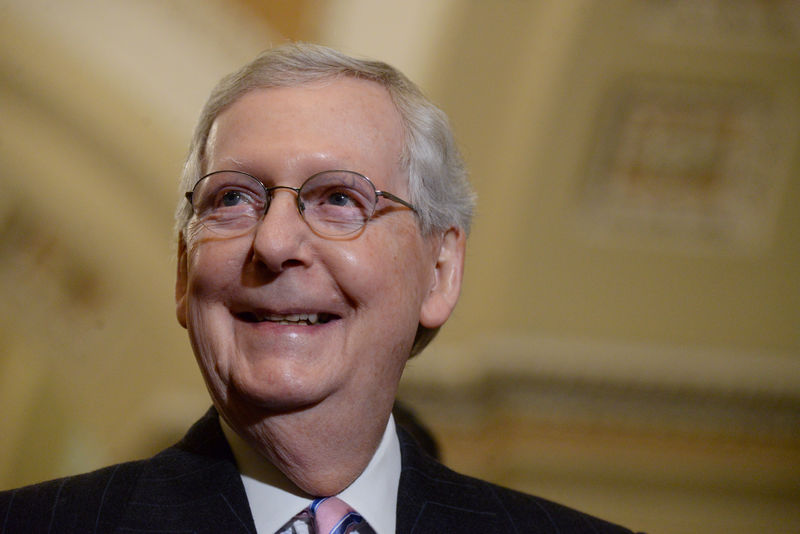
(306, 319)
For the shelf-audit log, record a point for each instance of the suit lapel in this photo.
(431, 498)
(191, 487)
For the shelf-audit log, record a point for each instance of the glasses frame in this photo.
(268, 193)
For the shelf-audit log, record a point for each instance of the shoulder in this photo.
(78, 502)
(527, 509)
(432, 495)
(95, 501)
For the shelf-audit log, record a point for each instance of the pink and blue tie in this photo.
(327, 515)
(334, 516)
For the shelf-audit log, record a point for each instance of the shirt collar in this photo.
(274, 499)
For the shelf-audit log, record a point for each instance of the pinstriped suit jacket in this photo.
(194, 486)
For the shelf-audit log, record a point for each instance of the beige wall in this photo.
(628, 339)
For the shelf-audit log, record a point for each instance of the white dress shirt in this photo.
(274, 499)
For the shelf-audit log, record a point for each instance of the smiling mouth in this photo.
(303, 319)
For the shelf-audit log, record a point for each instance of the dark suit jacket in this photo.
(194, 486)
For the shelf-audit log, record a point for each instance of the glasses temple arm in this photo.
(397, 199)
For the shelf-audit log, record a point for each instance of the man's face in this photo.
(235, 295)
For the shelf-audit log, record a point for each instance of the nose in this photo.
(281, 236)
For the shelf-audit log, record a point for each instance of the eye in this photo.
(340, 198)
(232, 198)
(337, 195)
(228, 200)
(233, 195)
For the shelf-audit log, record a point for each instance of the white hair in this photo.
(437, 180)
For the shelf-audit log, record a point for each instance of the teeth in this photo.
(294, 318)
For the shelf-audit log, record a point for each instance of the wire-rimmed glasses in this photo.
(333, 203)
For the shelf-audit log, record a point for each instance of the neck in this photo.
(319, 450)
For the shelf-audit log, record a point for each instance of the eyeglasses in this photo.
(332, 203)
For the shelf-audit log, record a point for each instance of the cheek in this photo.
(389, 278)
(212, 268)
(369, 272)
(212, 272)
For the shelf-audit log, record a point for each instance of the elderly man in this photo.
(320, 244)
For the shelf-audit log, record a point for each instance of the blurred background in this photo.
(628, 338)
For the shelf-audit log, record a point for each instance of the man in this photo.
(320, 244)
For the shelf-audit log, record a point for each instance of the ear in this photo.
(447, 276)
(181, 280)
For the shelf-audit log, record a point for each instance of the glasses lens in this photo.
(337, 203)
(228, 202)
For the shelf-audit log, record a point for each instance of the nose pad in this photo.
(293, 206)
(275, 189)
(279, 237)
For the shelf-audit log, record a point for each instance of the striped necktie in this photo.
(334, 516)
(327, 515)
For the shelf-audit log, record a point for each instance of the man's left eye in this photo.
(340, 198)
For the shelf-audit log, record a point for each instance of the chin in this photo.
(259, 397)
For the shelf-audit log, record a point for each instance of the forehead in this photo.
(342, 123)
